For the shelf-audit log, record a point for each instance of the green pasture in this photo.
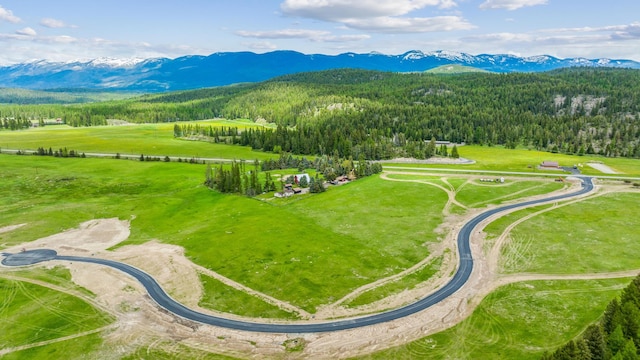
(517, 321)
(475, 195)
(406, 283)
(599, 234)
(82, 347)
(478, 194)
(221, 297)
(147, 139)
(57, 275)
(322, 246)
(497, 158)
(173, 351)
(32, 313)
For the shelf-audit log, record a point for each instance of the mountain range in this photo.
(225, 68)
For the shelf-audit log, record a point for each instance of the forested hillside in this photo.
(382, 115)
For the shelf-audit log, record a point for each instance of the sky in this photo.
(66, 30)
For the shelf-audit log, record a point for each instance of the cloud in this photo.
(510, 4)
(339, 10)
(7, 15)
(313, 35)
(385, 16)
(26, 32)
(614, 41)
(283, 34)
(410, 25)
(264, 45)
(54, 23)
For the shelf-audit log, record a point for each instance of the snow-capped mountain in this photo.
(224, 68)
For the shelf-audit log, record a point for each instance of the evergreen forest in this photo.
(382, 115)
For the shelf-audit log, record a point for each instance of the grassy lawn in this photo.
(221, 297)
(517, 321)
(147, 139)
(31, 313)
(595, 235)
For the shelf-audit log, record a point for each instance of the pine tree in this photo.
(454, 152)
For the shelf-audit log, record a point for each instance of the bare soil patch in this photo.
(10, 228)
(602, 168)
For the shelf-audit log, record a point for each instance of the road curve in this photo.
(459, 279)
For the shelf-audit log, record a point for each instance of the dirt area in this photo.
(10, 228)
(141, 323)
(602, 168)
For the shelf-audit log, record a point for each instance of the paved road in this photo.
(459, 279)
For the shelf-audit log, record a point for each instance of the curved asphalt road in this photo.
(461, 276)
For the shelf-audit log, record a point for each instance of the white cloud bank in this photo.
(7, 15)
(384, 16)
(510, 4)
(54, 23)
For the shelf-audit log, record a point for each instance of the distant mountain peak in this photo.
(224, 68)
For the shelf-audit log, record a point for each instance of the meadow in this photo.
(32, 313)
(517, 321)
(312, 250)
(148, 139)
(572, 239)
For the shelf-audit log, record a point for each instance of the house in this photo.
(549, 165)
(284, 194)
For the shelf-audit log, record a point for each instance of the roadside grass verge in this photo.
(220, 297)
(31, 313)
(517, 321)
(406, 283)
(595, 235)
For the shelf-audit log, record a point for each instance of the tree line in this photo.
(616, 336)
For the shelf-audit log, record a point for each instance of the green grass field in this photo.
(32, 313)
(483, 194)
(313, 250)
(480, 194)
(406, 283)
(574, 238)
(147, 139)
(517, 321)
(221, 297)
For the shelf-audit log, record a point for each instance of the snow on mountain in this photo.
(196, 71)
(115, 62)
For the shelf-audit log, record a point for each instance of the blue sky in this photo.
(64, 30)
